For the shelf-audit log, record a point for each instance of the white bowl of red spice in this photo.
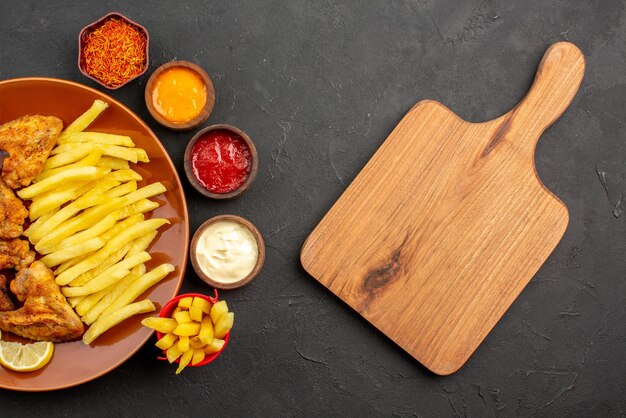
(113, 50)
(221, 162)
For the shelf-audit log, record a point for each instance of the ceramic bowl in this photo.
(87, 29)
(246, 184)
(204, 113)
(260, 257)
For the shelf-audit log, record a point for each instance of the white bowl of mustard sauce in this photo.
(227, 251)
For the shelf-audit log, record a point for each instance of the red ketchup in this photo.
(221, 161)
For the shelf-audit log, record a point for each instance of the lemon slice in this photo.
(25, 357)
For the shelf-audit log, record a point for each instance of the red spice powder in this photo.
(114, 52)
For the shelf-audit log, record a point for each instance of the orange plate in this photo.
(75, 363)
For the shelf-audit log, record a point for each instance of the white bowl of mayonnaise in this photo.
(227, 251)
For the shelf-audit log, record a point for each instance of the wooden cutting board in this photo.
(448, 222)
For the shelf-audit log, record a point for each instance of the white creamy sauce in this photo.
(227, 251)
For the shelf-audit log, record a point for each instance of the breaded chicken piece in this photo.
(12, 213)
(28, 140)
(6, 304)
(15, 253)
(46, 315)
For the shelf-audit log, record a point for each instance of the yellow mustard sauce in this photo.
(179, 94)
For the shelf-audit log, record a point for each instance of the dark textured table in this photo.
(318, 86)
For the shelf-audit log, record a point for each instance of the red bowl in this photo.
(92, 26)
(166, 312)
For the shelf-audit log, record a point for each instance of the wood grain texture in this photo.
(448, 222)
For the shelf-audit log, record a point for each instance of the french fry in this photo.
(206, 333)
(89, 217)
(184, 360)
(93, 313)
(53, 199)
(69, 263)
(87, 302)
(182, 317)
(66, 213)
(97, 188)
(183, 343)
(84, 120)
(218, 310)
(114, 151)
(73, 174)
(86, 277)
(189, 329)
(42, 219)
(141, 244)
(97, 229)
(61, 149)
(162, 325)
(122, 225)
(141, 206)
(75, 301)
(145, 192)
(56, 258)
(195, 313)
(68, 157)
(113, 163)
(185, 302)
(214, 346)
(198, 356)
(195, 342)
(203, 304)
(98, 138)
(108, 277)
(198, 308)
(224, 324)
(173, 353)
(139, 286)
(122, 189)
(122, 153)
(108, 321)
(81, 222)
(166, 341)
(126, 174)
(142, 155)
(90, 159)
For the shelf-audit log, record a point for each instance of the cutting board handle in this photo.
(556, 82)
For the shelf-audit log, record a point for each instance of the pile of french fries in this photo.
(196, 329)
(88, 223)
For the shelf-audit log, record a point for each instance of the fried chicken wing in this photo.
(28, 140)
(46, 315)
(15, 253)
(6, 304)
(12, 213)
